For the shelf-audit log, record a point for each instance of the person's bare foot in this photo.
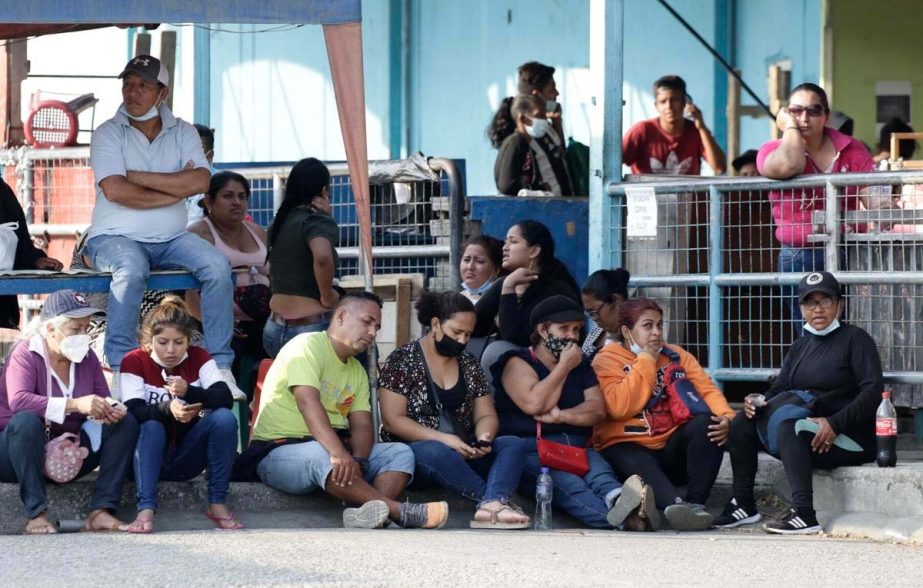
(102, 520)
(40, 525)
(143, 523)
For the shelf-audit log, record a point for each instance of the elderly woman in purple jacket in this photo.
(58, 353)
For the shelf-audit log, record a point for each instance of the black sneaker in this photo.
(735, 516)
(794, 523)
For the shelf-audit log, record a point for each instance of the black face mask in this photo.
(447, 346)
(556, 345)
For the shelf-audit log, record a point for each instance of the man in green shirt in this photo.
(315, 408)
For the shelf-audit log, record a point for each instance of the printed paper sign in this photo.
(642, 212)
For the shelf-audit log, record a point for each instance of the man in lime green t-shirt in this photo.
(315, 410)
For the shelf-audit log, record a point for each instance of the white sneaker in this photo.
(236, 392)
(114, 377)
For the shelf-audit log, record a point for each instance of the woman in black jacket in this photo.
(28, 256)
(534, 275)
(819, 413)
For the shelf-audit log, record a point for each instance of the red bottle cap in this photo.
(886, 394)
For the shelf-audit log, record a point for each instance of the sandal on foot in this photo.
(142, 525)
(115, 525)
(494, 522)
(228, 523)
(44, 528)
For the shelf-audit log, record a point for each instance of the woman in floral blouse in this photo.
(434, 396)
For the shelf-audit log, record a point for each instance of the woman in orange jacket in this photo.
(630, 372)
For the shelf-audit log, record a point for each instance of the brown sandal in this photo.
(115, 525)
(494, 521)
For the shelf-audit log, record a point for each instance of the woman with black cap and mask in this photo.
(549, 390)
(434, 397)
(818, 414)
(302, 253)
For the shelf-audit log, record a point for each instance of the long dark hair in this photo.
(307, 180)
(503, 124)
(551, 268)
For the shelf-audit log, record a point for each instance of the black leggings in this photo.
(796, 455)
(688, 458)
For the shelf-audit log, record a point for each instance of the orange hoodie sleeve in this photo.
(704, 385)
(626, 380)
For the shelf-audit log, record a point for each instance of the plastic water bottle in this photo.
(886, 432)
(544, 489)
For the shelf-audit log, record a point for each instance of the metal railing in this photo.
(712, 264)
(56, 190)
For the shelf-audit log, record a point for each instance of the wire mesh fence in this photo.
(722, 257)
(56, 190)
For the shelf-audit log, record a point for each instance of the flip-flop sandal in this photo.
(222, 522)
(115, 526)
(495, 523)
(48, 528)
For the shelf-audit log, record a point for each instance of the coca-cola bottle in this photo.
(886, 432)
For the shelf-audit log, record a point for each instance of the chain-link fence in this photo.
(710, 251)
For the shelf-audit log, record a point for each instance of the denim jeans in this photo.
(798, 261)
(301, 468)
(211, 444)
(492, 477)
(275, 336)
(132, 261)
(582, 498)
(22, 456)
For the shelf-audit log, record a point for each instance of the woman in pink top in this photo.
(243, 243)
(808, 146)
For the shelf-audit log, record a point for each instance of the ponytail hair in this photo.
(441, 305)
(306, 181)
(502, 124)
(605, 284)
(551, 268)
(171, 312)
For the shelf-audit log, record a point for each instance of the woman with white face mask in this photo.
(666, 454)
(533, 158)
(839, 368)
(57, 354)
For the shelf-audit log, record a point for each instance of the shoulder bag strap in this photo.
(47, 389)
(433, 397)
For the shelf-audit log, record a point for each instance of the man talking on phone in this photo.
(676, 141)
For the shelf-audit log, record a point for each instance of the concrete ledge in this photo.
(889, 492)
(870, 525)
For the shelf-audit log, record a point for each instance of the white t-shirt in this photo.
(116, 148)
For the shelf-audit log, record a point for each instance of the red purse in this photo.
(558, 456)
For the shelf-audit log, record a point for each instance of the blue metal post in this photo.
(201, 109)
(606, 75)
(724, 24)
(715, 268)
(395, 76)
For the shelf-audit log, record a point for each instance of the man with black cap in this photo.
(146, 162)
(745, 164)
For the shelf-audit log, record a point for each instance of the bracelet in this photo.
(789, 129)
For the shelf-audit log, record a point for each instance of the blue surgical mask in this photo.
(480, 289)
(539, 128)
(152, 113)
(634, 347)
(826, 331)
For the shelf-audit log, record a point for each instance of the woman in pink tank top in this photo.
(243, 243)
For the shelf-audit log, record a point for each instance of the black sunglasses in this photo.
(813, 111)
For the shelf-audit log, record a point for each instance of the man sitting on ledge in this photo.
(314, 428)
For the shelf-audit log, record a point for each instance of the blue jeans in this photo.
(582, 498)
(492, 477)
(301, 468)
(211, 444)
(132, 261)
(22, 458)
(275, 336)
(798, 261)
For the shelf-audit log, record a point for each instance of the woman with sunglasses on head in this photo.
(434, 397)
(808, 146)
(838, 366)
(603, 294)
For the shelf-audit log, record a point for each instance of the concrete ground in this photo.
(456, 558)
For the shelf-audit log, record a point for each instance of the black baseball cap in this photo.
(556, 309)
(748, 156)
(148, 67)
(822, 282)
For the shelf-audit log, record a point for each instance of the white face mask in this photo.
(75, 347)
(551, 106)
(826, 331)
(635, 348)
(152, 113)
(539, 128)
